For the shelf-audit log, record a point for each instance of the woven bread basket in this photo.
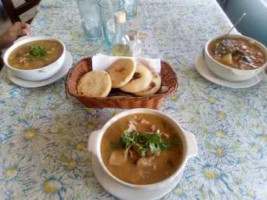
(117, 100)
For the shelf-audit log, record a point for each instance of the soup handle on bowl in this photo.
(92, 142)
(191, 141)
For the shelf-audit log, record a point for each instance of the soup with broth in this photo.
(142, 149)
(34, 55)
(238, 53)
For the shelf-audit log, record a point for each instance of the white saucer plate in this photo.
(202, 68)
(34, 84)
(123, 192)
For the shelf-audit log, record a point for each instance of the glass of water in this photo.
(131, 8)
(91, 19)
(107, 10)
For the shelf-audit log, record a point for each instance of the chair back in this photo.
(1, 61)
(14, 12)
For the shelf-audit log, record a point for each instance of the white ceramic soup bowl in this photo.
(35, 74)
(188, 140)
(230, 73)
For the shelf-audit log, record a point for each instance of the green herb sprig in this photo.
(144, 142)
(37, 51)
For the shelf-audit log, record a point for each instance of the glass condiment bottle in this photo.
(121, 41)
(135, 43)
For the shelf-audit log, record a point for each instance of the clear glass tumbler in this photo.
(131, 8)
(91, 19)
(107, 10)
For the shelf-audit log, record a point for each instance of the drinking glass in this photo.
(91, 19)
(107, 10)
(131, 8)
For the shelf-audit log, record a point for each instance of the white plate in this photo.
(202, 68)
(123, 192)
(33, 84)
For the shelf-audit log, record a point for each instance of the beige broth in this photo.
(20, 58)
(166, 163)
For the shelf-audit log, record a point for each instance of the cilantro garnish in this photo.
(37, 51)
(144, 142)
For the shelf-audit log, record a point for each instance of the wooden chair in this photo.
(15, 12)
(1, 61)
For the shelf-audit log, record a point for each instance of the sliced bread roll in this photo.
(152, 88)
(121, 72)
(140, 81)
(94, 84)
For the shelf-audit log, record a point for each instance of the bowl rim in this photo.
(26, 40)
(262, 47)
(182, 133)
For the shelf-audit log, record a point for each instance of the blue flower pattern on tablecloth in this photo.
(43, 135)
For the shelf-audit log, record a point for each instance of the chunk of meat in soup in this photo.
(140, 124)
(131, 125)
(165, 135)
(118, 158)
(145, 166)
(133, 155)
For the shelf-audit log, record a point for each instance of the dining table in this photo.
(44, 132)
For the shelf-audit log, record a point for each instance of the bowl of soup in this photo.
(35, 58)
(143, 149)
(235, 57)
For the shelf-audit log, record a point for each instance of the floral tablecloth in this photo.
(43, 135)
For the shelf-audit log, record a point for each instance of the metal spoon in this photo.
(234, 26)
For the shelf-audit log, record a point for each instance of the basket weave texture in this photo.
(168, 76)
